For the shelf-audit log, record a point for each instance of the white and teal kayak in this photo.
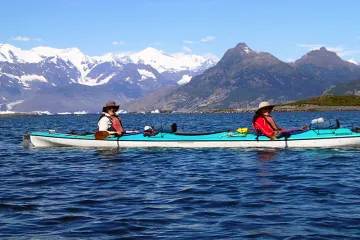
(321, 138)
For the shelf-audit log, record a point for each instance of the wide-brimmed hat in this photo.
(264, 105)
(110, 104)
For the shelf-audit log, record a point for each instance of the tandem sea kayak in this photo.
(319, 138)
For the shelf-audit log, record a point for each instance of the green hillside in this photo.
(328, 100)
(346, 88)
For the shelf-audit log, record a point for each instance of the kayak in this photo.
(319, 138)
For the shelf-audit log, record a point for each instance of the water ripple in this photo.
(175, 193)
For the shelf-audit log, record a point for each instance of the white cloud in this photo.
(18, 38)
(187, 49)
(22, 38)
(210, 56)
(118, 43)
(335, 49)
(207, 39)
(348, 52)
(154, 43)
(310, 47)
(318, 46)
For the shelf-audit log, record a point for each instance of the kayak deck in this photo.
(310, 138)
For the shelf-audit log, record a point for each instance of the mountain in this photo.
(25, 73)
(243, 78)
(326, 67)
(43, 77)
(351, 87)
(67, 98)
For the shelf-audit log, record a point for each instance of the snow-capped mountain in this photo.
(75, 59)
(72, 55)
(11, 54)
(163, 62)
(353, 61)
(24, 72)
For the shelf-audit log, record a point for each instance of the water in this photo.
(66, 193)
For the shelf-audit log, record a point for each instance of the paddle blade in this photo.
(101, 135)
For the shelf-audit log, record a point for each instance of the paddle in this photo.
(101, 135)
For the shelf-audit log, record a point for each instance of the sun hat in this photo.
(110, 104)
(264, 105)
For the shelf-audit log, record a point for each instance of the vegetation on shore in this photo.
(318, 104)
(328, 100)
(351, 87)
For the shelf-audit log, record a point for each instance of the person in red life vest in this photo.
(264, 123)
(111, 122)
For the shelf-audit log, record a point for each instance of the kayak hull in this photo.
(310, 139)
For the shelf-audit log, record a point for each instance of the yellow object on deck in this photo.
(243, 130)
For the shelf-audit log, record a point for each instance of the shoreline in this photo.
(306, 108)
(7, 115)
(316, 108)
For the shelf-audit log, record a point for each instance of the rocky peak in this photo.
(242, 54)
(240, 49)
(321, 57)
(243, 47)
(322, 52)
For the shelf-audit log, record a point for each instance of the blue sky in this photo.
(286, 29)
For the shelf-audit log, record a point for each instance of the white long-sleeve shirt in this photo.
(105, 123)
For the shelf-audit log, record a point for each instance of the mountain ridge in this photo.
(243, 78)
(24, 72)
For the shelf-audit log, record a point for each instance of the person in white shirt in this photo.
(109, 121)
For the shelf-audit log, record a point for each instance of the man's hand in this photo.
(272, 136)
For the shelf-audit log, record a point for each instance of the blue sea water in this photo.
(62, 193)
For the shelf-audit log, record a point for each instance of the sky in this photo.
(286, 29)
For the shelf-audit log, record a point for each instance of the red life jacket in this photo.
(116, 123)
(264, 126)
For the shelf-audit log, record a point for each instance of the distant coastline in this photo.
(315, 108)
(278, 108)
(282, 108)
(322, 103)
(18, 115)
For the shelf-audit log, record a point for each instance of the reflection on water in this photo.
(267, 154)
(108, 151)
